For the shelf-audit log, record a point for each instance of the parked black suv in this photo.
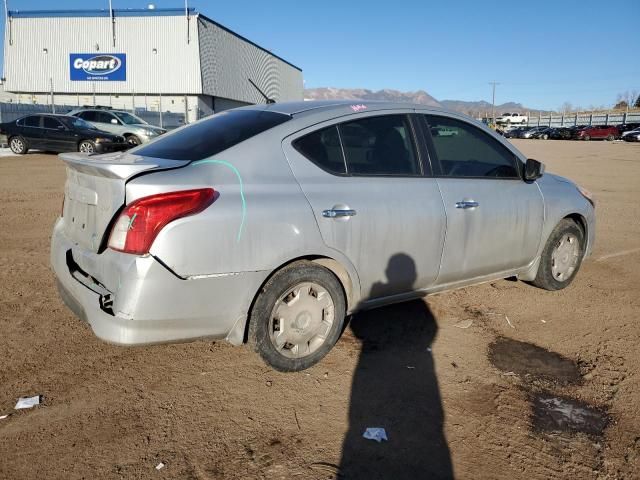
(59, 133)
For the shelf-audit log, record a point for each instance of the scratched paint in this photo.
(130, 227)
(239, 177)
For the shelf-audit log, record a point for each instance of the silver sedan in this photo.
(270, 224)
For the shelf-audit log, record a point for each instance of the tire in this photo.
(133, 140)
(315, 327)
(586, 138)
(87, 146)
(545, 137)
(611, 138)
(18, 145)
(568, 256)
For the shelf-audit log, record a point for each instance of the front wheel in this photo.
(133, 141)
(18, 145)
(587, 138)
(87, 146)
(297, 317)
(545, 137)
(610, 138)
(561, 257)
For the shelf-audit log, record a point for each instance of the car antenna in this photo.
(267, 99)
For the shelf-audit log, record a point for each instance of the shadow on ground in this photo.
(395, 387)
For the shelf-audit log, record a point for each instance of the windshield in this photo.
(128, 119)
(75, 122)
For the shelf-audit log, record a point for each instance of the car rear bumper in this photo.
(135, 300)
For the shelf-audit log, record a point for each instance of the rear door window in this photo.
(464, 150)
(213, 135)
(323, 148)
(379, 146)
(32, 121)
(89, 116)
(51, 123)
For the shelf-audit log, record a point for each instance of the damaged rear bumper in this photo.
(135, 300)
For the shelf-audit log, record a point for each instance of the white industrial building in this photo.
(170, 60)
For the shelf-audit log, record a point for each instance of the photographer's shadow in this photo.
(395, 387)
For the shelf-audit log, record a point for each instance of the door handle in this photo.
(335, 213)
(467, 204)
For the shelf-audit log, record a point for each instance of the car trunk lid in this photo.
(95, 191)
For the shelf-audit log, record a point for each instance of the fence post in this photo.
(624, 117)
(590, 119)
(160, 109)
(606, 120)
(562, 120)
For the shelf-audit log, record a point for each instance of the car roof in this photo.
(44, 114)
(337, 108)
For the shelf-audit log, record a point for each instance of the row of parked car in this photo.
(629, 132)
(87, 130)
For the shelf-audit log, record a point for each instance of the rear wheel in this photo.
(297, 317)
(18, 145)
(133, 140)
(610, 138)
(87, 146)
(545, 137)
(561, 257)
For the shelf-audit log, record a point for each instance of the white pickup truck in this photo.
(512, 118)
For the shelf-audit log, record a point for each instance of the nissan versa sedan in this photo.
(271, 224)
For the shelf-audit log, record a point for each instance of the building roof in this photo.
(135, 12)
(102, 12)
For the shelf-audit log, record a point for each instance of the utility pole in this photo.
(493, 102)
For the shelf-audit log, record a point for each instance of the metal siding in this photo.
(228, 61)
(174, 69)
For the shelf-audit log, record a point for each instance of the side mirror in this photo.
(114, 121)
(533, 170)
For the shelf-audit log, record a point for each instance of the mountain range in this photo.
(479, 108)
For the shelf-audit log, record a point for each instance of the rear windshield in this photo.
(213, 135)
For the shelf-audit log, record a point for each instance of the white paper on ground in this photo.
(160, 466)
(2, 417)
(27, 402)
(375, 433)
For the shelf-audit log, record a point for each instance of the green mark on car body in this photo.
(239, 177)
(130, 227)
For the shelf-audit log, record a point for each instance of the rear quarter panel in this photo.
(259, 220)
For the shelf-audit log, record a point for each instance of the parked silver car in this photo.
(119, 122)
(270, 224)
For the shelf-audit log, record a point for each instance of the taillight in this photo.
(140, 222)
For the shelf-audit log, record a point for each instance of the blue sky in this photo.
(543, 53)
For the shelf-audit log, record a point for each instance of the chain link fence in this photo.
(12, 111)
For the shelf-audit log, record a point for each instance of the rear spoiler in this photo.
(120, 165)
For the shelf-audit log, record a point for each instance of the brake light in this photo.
(140, 222)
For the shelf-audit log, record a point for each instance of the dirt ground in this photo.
(450, 379)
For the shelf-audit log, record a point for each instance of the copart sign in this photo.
(110, 67)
